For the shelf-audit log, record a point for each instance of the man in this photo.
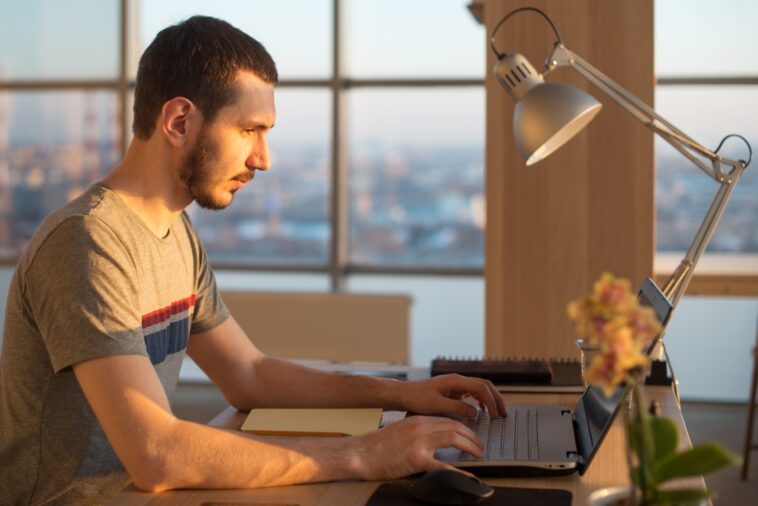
(115, 287)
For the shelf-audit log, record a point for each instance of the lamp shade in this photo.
(548, 116)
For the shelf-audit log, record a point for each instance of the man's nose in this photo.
(259, 158)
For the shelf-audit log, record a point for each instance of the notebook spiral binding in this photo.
(473, 358)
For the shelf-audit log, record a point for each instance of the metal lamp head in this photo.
(547, 115)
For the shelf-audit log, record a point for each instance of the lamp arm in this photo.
(679, 280)
(564, 57)
(677, 283)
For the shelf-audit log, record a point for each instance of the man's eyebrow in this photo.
(256, 124)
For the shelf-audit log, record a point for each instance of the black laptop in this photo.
(549, 439)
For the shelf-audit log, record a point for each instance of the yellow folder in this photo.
(312, 422)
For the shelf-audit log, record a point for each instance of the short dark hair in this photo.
(199, 59)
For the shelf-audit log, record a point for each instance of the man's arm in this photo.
(161, 452)
(249, 378)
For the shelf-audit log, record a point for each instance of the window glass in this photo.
(53, 145)
(705, 38)
(684, 192)
(297, 33)
(412, 39)
(75, 39)
(416, 177)
(281, 217)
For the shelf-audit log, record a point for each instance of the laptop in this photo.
(549, 439)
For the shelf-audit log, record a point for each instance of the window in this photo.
(43, 165)
(416, 186)
(60, 116)
(44, 34)
(378, 152)
(709, 90)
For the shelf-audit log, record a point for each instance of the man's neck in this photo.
(150, 186)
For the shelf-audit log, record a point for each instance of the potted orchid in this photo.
(612, 321)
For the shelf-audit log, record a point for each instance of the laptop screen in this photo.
(595, 412)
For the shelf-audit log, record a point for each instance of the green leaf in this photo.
(681, 496)
(665, 437)
(702, 459)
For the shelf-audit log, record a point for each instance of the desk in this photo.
(608, 468)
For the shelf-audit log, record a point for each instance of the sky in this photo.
(44, 39)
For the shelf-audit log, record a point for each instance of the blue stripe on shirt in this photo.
(168, 340)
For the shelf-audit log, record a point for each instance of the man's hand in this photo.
(408, 447)
(445, 394)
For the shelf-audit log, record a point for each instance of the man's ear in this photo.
(179, 117)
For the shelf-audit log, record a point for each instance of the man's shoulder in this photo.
(98, 201)
(84, 218)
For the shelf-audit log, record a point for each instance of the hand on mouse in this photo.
(444, 394)
(408, 447)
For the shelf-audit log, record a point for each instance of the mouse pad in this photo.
(396, 493)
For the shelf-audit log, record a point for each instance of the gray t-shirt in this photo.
(93, 282)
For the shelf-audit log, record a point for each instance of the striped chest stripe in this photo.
(166, 330)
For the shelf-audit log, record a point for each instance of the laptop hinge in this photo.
(580, 460)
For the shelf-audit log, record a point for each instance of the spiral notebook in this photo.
(514, 374)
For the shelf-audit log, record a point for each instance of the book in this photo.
(312, 422)
(511, 374)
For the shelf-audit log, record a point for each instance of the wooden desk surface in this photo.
(608, 469)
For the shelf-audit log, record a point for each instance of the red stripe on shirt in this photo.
(163, 314)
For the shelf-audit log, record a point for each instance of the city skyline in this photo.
(403, 202)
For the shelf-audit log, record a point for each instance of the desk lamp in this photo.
(547, 115)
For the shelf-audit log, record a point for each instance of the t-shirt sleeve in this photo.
(83, 291)
(210, 310)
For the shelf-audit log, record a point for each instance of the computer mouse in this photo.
(444, 486)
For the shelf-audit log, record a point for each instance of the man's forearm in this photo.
(161, 452)
(190, 455)
(278, 383)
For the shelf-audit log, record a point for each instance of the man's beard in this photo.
(197, 173)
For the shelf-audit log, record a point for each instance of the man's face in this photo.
(229, 150)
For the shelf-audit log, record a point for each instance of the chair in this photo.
(334, 327)
(749, 446)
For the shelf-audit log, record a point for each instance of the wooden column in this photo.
(553, 228)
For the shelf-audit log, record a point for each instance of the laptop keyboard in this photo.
(515, 437)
